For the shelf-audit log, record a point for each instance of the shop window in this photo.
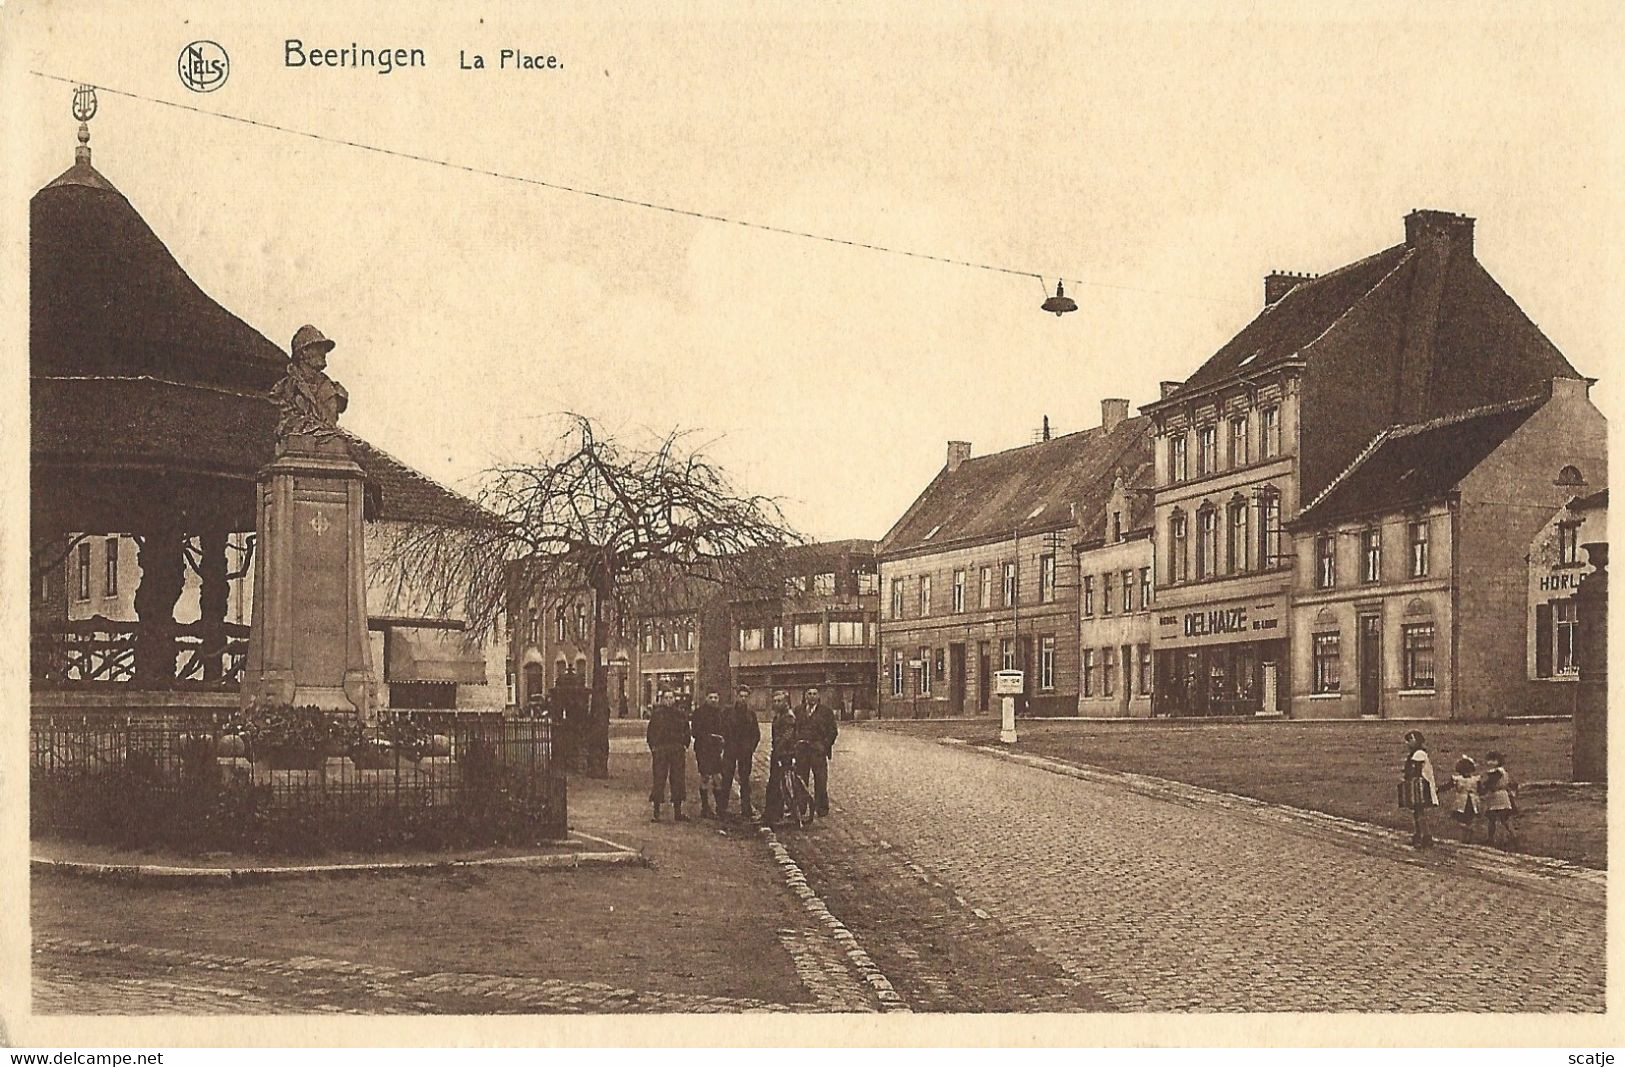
(1088, 672)
(1207, 542)
(1046, 578)
(1417, 645)
(1371, 555)
(1089, 595)
(1326, 561)
(1269, 432)
(1108, 671)
(1177, 463)
(1046, 662)
(1556, 627)
(1128, 592)
(1238, 441)
(1178, 549)
(1236, 546)
(1328, 666)
(959, 591)
(1417, 532)
(1568, 543)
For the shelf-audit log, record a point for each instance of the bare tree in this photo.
(641, 529)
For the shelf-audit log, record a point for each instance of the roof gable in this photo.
(1047, 485)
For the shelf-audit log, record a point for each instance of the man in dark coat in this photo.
(781, 757)
(816, 725)
(708, 745)
(668, 737)
(741, 734)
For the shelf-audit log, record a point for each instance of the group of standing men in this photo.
(725, 742)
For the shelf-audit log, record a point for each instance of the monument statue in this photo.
(310, 402)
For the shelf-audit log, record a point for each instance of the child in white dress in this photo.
(1465, 784)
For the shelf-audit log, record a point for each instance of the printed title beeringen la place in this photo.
(295, 53)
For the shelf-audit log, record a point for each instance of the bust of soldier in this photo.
(309, 400)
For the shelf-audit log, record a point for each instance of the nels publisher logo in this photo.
(203, 66)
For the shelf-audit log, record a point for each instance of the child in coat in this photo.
(1498, 794)
(1465, 783)
(1418, 792)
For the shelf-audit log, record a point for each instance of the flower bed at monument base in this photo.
(145, 785)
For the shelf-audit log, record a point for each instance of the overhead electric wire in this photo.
(628, 200)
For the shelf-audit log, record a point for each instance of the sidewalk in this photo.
(708, 920)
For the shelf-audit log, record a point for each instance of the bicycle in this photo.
(794, 786)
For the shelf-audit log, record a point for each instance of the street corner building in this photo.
(982, 574)
(820, 633)
(1347, 491)
(151, 420)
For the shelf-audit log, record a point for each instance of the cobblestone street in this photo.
(954, 881)
(1143, 903)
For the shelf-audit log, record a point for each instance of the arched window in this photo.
(558, 623)
(581, 621)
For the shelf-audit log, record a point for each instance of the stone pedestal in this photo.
(308, 644)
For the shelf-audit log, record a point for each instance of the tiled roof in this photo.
(1590, 502)
(1416, 464)
(131, 363)
(1472, 345)
(1285, 328)
(1034, 487)
(106, 297)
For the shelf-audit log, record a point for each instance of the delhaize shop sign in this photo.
(1245, 622)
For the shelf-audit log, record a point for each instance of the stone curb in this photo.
(889, 998)
(1583, 884)
(622, 856)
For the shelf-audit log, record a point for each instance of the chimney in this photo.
(1278, 283)
(958, 452)
(1113, 410)
(1169, 388)
(1455, 231)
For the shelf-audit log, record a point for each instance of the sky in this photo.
(1160, 159)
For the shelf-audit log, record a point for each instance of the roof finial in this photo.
(84, 109)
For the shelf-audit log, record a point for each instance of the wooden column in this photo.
(163, 571)
(212, 600)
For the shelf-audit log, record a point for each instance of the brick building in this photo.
(1558, 561)
(1115, 557)
(1414, 572)
(979, 574)
(821, 632)
(1414, 333)
(552, 645)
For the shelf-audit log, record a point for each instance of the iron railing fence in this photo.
(194, 786)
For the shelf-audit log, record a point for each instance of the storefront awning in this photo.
(422, 654)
